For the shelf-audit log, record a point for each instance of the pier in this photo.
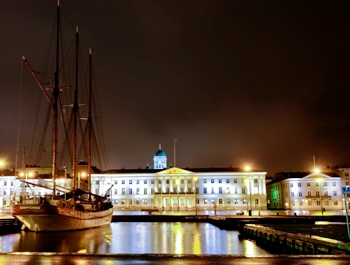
(290, 243)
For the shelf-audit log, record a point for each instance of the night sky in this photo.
(264, 83)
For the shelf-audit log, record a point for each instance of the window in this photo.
(167, 181)
(227, 181)
(212, 190)
(204, 190)
(145, 191)
(115, 191)
(220, 180)
(123, 181)
(130, 191)
(182, 181)
(235, 181)
(152, 181)
(256, 201)
(220, 201)
(299, 184)
(212, 180)
(204, 181)
(309, 193)
(130, 181)
(243, 190)
(145, 182)
(255, 181)
(220, 190)
(324, 184)
(137, 182)
(317, 184)
(292, 194)
(291, 185)
(236, 190)
(123, 190)
(97, 182)
(326, 192)
(227, 190)
(308, 184)
(310, 203)
(317, 193)
(228, 201)
(152, 190)
(138, 191)
(205, 201)
(197, 190)
(116, 182)
(334, 184)
(300, 194)
(346, 174)
(5, 183)
(335, 202)
(334, 193)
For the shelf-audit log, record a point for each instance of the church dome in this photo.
(160, 153)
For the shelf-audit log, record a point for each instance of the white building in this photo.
(161, 187)
(305, 191)
(182, 189)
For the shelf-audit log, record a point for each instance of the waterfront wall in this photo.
(278, 242)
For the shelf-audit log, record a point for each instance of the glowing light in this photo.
(179, 239)
(316, 170)
(197, 244)
(247, 168)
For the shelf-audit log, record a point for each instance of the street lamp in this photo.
(319, 184)
(248, 182)
(195, 192)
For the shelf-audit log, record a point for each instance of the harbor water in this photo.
(135, 238)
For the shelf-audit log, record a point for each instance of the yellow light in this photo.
(21, 174)
(83, 174)
(2, 163)
(247, 168)
(30, 174)
(246, 181)
(195, 178)
(316, 170)
(177, 182)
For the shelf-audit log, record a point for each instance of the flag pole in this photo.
(174, 152)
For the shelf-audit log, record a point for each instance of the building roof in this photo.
(194, 170)
(289, 175)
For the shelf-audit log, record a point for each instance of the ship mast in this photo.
(75, 115)
(89, 123)
(55, 94)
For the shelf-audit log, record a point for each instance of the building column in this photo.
(264, 186)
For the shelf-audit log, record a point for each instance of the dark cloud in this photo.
(263, 82)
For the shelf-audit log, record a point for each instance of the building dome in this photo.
(160, 159)
(159, 153)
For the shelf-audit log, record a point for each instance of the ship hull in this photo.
(41, 217)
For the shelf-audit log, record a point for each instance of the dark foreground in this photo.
(75, 259)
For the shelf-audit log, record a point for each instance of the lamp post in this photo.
(247, 168)
(195, 192)
(319, 184)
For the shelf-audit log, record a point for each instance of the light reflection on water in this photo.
(135, 238)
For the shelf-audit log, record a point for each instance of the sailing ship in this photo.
(63, 207)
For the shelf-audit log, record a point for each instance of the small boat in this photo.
(74, 207)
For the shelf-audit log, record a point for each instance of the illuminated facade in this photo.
(305, 191)
(160, 187)
(183, 189)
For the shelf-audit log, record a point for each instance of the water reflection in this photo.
(135, 238)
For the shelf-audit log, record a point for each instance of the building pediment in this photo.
(317, 176)
(174, 171)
